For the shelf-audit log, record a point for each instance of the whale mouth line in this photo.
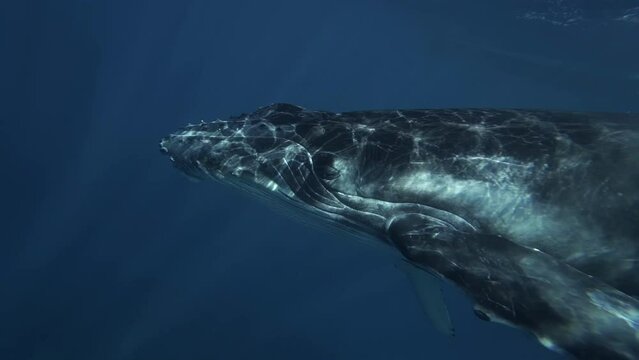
(358, 202)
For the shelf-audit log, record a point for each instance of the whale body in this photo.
(533, 214)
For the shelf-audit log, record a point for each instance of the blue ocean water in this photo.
(108, 252)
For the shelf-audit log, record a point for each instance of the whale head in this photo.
(280, 151)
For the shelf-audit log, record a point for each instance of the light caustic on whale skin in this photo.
(532, 213)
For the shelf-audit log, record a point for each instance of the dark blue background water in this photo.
(109, 253)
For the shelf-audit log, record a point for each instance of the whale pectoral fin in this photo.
(430, 296)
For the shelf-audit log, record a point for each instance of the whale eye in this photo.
(481, 315)
(323, 166)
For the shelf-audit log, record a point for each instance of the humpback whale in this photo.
(533, 214)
